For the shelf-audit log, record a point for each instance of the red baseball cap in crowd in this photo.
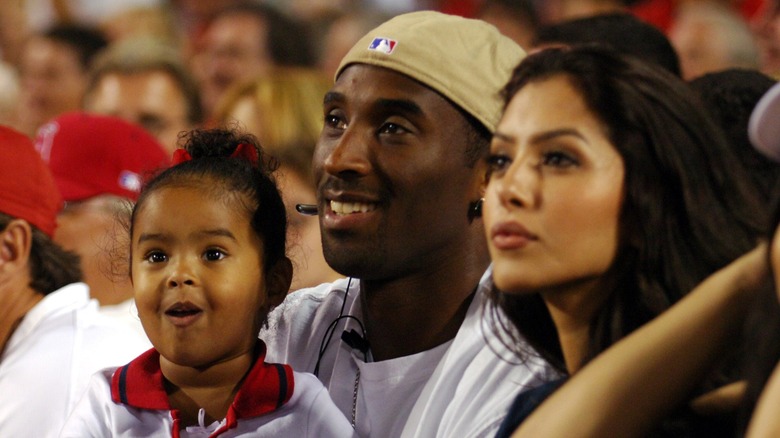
(91, 155)
(27, 189)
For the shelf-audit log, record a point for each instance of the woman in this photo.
(611, 196)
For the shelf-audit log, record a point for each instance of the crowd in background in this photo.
(47, 47)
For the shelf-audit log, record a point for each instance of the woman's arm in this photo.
(627, 389)
(765, 421)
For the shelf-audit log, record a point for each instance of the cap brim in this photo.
(74, 191)
(764, 125)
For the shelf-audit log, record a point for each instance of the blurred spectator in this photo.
(51, 336)
(53, 72)
(153, 22)
(244, 41)
(99, 164)
(303, 231)
(554, 11)
(622, 32)
(41, 14)
(767, 31)
(710, 37)
(730, 97)
(283, 108)
(192, 17)
(516, 19)
(9, 93)
(13, 31)
(660, 13)
(342, 33)
(145, 82)
(316, 10)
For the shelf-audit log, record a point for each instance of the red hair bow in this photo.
(243, 150)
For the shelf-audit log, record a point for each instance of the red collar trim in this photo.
(266, 387)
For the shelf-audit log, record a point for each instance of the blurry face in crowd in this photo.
(234, 49)
(246, 112)
(89, 228)
(151, 99)
(52, 82)
(700, 48)
(767, 30)
(340, 37)
(554, 196)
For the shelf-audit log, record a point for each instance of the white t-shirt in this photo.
(461, 388)
(50, 357)
(273, 401)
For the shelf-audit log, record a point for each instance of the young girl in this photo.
(611, 196)
(208, 262)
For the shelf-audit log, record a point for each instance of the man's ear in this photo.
(277, 282)
(15, 246)
(478, 189)
(482, 177)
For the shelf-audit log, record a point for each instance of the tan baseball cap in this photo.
(466, 60)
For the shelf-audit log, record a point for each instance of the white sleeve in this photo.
(324, 419)
(92, 415)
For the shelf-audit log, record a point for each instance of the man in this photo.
(51, 336)
(144, 82)
(53, 73)
(244, 41)
(99, 163)
(400, 169)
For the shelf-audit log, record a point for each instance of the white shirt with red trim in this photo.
(273, 400)
(461, 388)
(49, 358)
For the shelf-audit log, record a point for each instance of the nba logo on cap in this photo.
(384, 45)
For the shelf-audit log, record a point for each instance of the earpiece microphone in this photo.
(356, 340)
(350, 337)
(306, 209)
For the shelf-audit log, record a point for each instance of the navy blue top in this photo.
(525, 403)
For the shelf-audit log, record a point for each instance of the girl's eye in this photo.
(156, 257)
(558, 159)
(213, 255)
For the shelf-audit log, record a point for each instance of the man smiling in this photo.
(400, 171)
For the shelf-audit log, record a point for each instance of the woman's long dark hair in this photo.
(688, 208)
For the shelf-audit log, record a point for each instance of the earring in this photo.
(475, 209)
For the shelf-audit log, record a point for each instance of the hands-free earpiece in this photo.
(306, 209)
